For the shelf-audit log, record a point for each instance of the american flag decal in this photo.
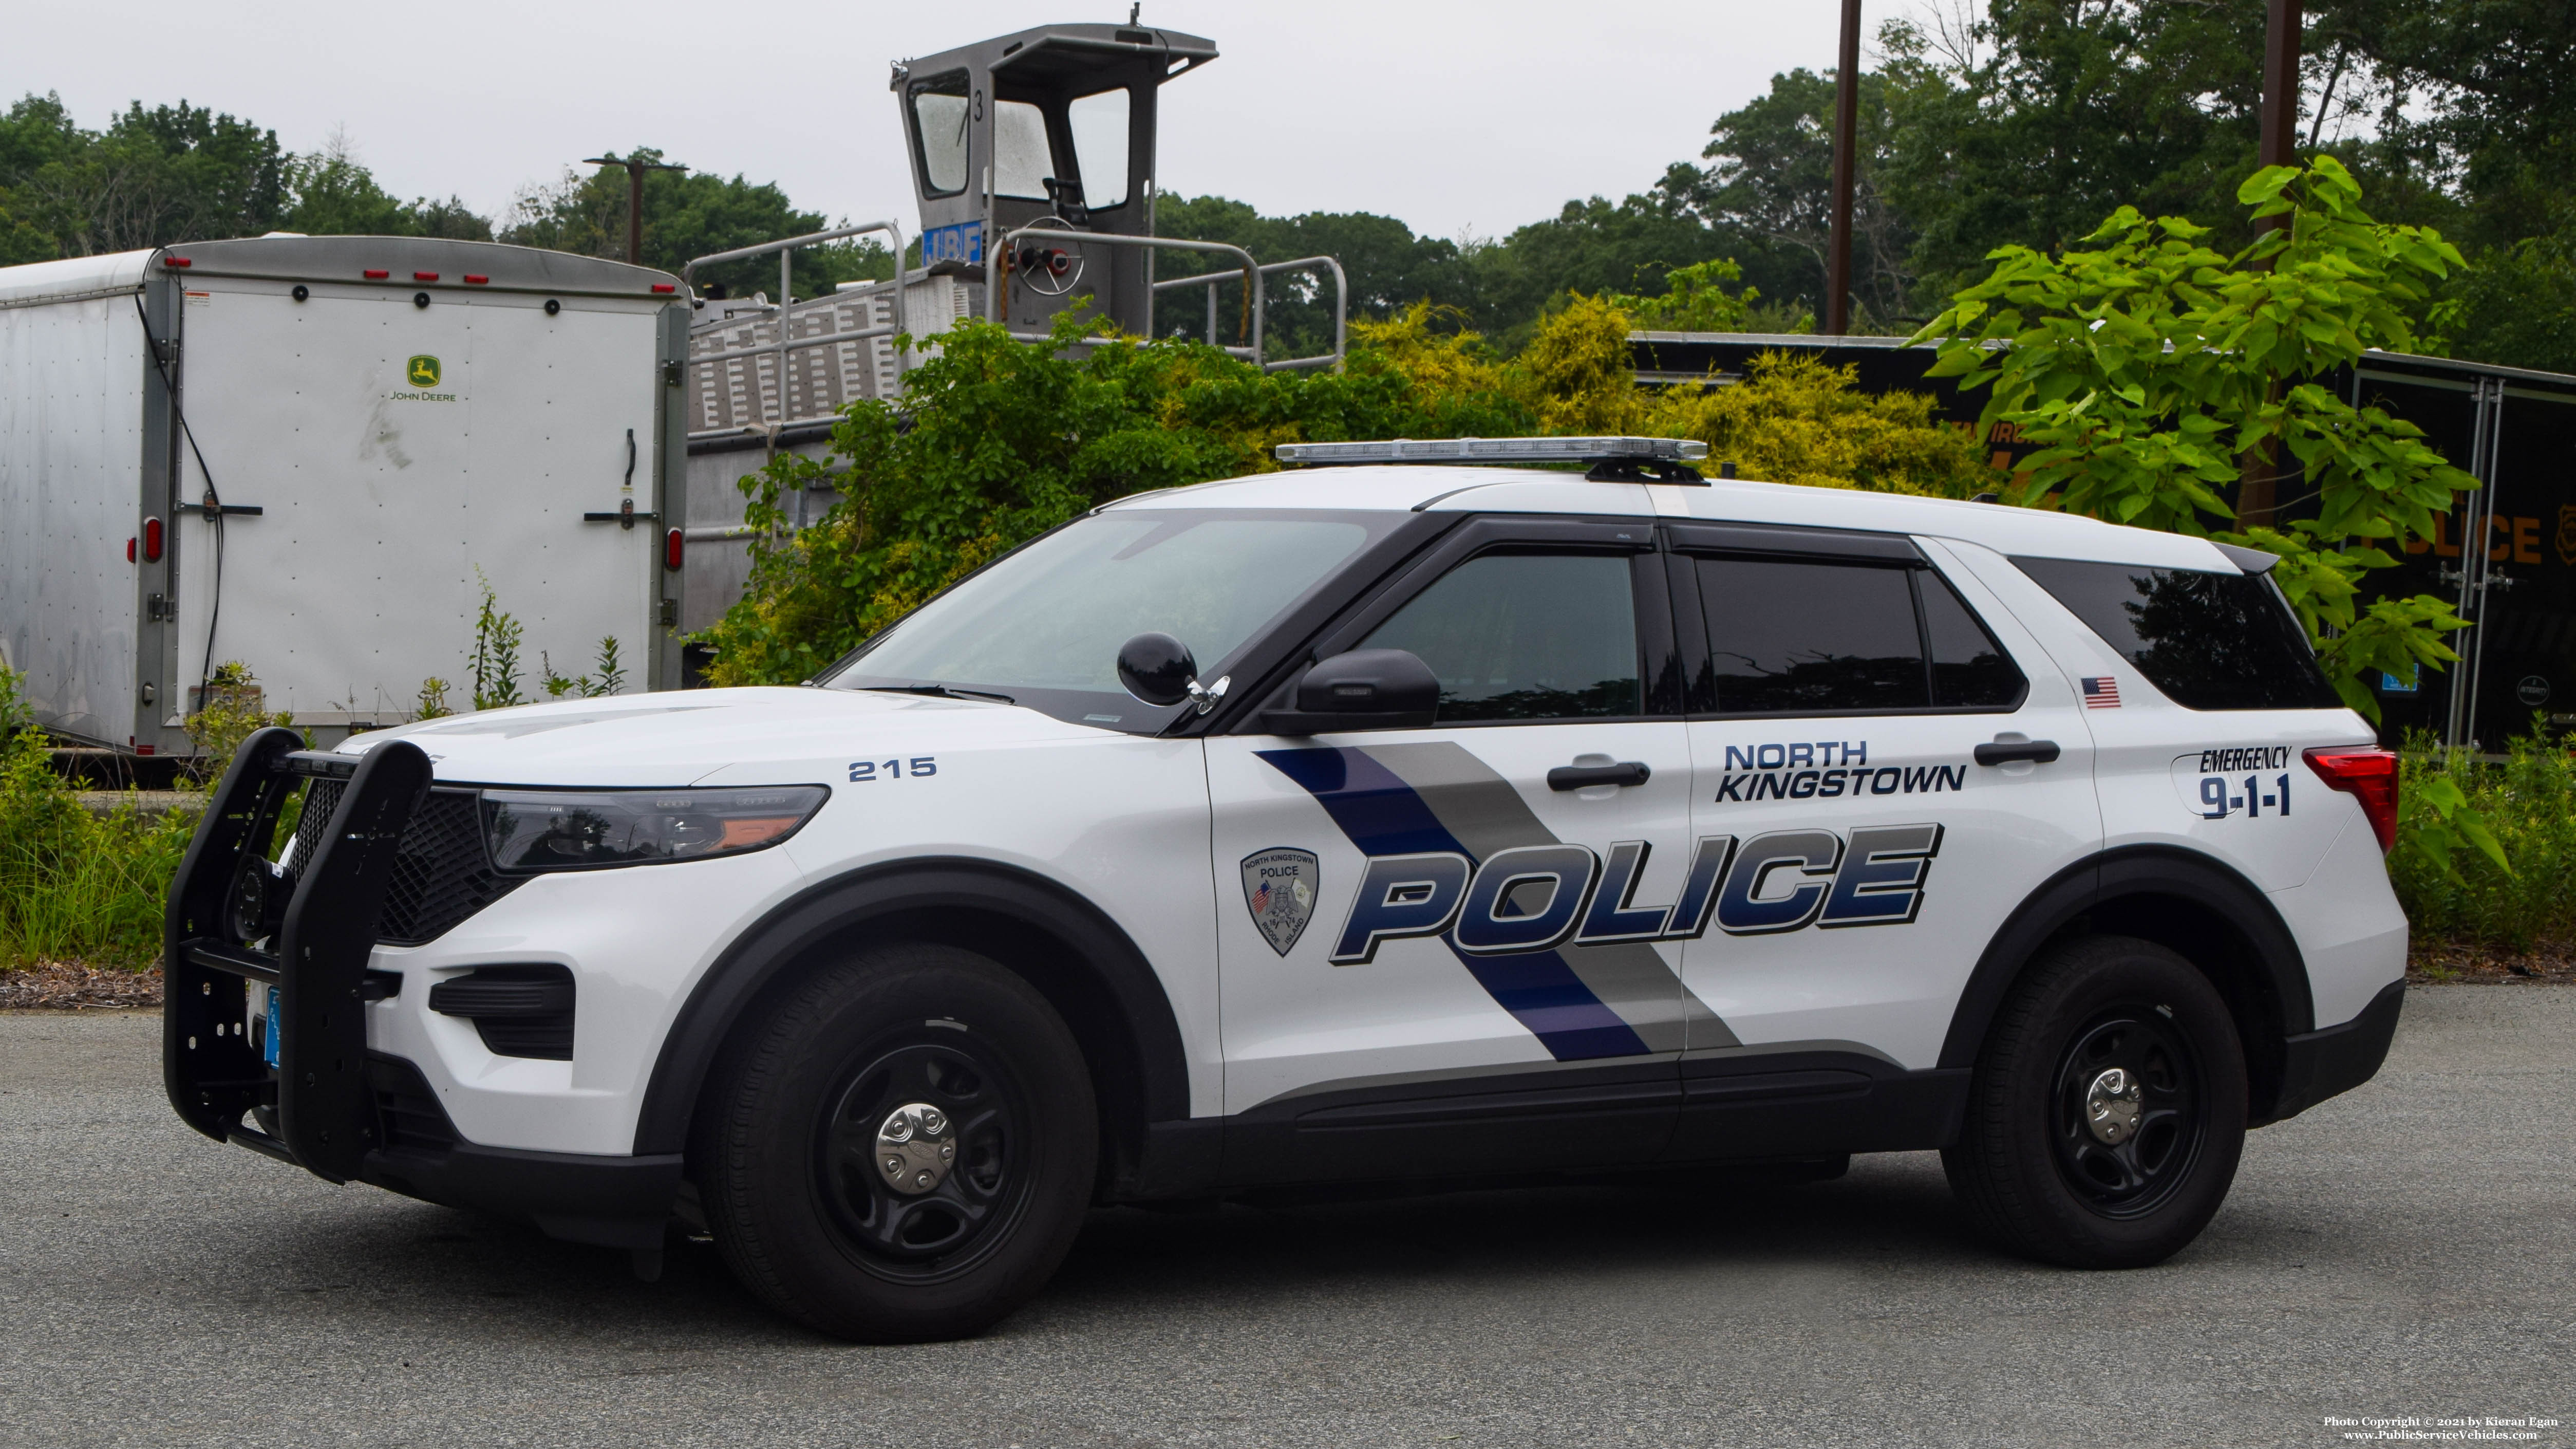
(2102, 693)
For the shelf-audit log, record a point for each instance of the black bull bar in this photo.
(224, 908)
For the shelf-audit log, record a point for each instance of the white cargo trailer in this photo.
(308, 453)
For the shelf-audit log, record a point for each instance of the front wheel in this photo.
(902, 1149)
(2107, 1110)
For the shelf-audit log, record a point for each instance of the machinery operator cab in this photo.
(1392, 825)
(1053, 126)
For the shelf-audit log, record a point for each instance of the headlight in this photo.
(571, 829)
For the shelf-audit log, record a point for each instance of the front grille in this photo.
(440, 874)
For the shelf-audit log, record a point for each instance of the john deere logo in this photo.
(423, 371)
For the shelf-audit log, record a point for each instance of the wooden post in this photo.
(1838, 277)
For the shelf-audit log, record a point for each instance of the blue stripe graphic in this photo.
(1382, 815)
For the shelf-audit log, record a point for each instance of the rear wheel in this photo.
(902, 1149)
(2107, 1110)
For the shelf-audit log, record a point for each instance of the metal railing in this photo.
(995, 310)
(786, 248)
(1341, 307)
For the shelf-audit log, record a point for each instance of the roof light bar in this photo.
(1497, 450)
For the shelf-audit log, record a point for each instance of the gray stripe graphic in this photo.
(1486, 814)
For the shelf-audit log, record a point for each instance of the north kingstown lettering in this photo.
(1839, 783)
(1800, 755)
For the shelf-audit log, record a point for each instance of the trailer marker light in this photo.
(475, 281)
(177, 262)
(664, 287)
(152, 540)
(424, 276)
(376, 274)
(672, 543)
(129, 550)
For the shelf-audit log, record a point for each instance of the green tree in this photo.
(168, 174)
(335, 195)
(1770, 178)
(2147, 366)
(689, 214)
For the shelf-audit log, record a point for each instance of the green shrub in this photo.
(75, 886)
(2529, 802)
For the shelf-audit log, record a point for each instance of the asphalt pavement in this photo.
(2407, 1251)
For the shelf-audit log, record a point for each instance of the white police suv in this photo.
(1354, 824)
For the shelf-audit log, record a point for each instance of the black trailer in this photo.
(2512, 429)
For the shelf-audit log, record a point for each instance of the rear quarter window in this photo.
(2209, 640)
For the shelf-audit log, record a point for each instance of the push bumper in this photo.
(2320, 1064)
(330, 1105)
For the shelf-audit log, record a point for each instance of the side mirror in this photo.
(1366, 689)
(1158, 669)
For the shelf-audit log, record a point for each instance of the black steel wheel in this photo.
(923, 1166)
(900, 1148)
(2131, 1114)
(2107, 1109)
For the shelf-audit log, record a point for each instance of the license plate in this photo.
(268, 1033)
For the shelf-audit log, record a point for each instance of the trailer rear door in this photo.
(403, 456)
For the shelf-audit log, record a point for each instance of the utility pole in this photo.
(634, 198)
(1838, 277)
(2258, 471)
(2282, 21)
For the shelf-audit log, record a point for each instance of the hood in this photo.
(681, 737)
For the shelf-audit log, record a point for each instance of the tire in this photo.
(2061, 1161)
(795, 1168)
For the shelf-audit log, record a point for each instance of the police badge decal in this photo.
(1279, 885)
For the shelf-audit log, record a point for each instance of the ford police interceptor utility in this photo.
(1362, 824)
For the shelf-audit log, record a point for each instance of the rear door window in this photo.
(1819, 636)
(2208, 640)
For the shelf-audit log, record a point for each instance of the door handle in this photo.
(2005, 752)
(1583, 777)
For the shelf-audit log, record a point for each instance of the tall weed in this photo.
(75, 886)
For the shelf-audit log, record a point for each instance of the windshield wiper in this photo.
(940, 691)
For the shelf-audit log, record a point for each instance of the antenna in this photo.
(1134, 10)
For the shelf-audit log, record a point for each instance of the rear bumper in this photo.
(2320, 1064)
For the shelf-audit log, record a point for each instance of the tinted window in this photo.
(1792, 637)
(1969, 669)
(2208, 640)
(1526, 636)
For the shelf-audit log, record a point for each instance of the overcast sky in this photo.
(1456, 118)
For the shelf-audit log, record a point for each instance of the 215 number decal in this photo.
(865, 771)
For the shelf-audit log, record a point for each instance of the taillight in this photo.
(152, 540)
(2369, 776)
(672, 544)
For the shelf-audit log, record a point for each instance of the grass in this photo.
(76, 886)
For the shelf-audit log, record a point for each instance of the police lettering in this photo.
(1537, 897)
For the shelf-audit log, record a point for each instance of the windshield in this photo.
(1043, 625)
